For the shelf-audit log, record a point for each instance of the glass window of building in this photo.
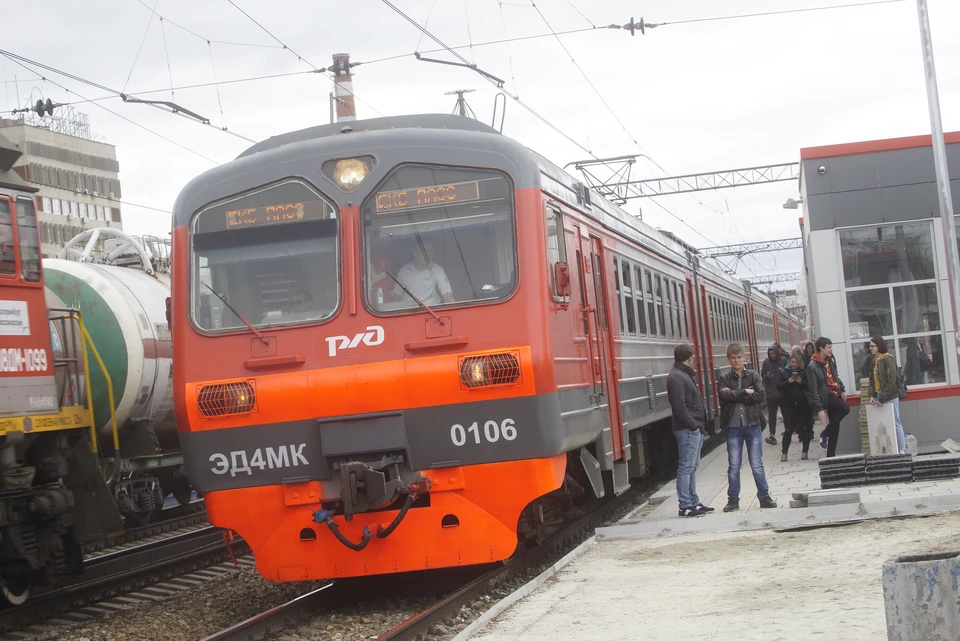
(891, 290)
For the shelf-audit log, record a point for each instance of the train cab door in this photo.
(595, 309)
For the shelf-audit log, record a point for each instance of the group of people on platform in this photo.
(803, 386)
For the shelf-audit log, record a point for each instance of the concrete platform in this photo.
(659, 517)
(783, 573)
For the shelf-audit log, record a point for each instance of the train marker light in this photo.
(489, 370)
(348, 173)
(222, 399)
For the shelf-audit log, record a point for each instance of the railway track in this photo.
(117, 579)
(473, 590)
(310, 614)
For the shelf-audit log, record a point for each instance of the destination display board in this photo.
(419, 197)
(273, 214)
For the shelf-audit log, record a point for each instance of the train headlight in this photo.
(489, 370)
(223, 399)
(348, 173)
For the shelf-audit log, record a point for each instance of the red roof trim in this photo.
(890, 144)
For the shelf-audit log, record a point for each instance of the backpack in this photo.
(901, 384)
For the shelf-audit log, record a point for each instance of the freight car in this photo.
(87, 445)
(408, 342)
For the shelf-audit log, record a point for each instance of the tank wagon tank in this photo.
(124, 310)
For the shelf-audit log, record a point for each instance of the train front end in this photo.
(360, 347)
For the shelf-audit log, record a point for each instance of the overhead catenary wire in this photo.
(140, 48)
(207, 40)
(21, 60)
(773, 13)
(124, 118)
(299, 57)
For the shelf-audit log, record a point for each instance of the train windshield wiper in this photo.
(410, 294)
(245, 321)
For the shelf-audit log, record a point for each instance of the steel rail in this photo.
(110, 572)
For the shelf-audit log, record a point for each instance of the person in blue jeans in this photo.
(741, 403)
(689, 424)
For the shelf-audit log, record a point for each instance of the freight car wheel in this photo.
(16, 591)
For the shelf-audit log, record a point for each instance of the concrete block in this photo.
(794, 503)
(921, 597)
(834, 498)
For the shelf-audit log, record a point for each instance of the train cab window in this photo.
(638, 290)
(556, 246)
(268, 257)
(444, 236)
(8, 256)
(29, 238)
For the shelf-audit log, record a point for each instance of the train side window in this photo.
(660, 319)
(628, 299)
(599, 282)
(676, 308)
(616, 278)
(641, 311)
(682, 312)
(8, 256)
(668, 305)
(651, 306)
(583, 293)
(29, 238)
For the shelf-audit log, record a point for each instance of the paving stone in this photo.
(833, 498)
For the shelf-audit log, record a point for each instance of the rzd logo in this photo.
(373, 336)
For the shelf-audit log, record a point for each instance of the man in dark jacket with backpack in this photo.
(689, 425)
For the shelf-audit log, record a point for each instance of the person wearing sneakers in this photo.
(741, 402)
(825, 394)
(793, 386)
(770, 371)
(689, 425)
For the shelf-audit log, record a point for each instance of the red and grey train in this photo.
(407, 343)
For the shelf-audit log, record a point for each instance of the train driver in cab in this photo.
(424, 278)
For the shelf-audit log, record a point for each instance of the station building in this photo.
(76, 175)
(875, 264)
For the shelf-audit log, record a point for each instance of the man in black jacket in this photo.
(689, 426)
(741, 403)
(772, 366)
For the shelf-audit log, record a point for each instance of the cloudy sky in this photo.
(693, 94)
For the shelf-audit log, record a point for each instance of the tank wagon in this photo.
(87, 433)
(411, 342)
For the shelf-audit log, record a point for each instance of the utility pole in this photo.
(943, 175)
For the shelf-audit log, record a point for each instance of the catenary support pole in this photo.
(943, 174)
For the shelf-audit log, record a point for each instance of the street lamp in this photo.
(792, 204)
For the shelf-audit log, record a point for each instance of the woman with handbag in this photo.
(885, 384)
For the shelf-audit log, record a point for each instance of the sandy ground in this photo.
(814, 584)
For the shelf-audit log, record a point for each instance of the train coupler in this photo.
(363, 487)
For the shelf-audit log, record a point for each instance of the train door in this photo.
(596, 314)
